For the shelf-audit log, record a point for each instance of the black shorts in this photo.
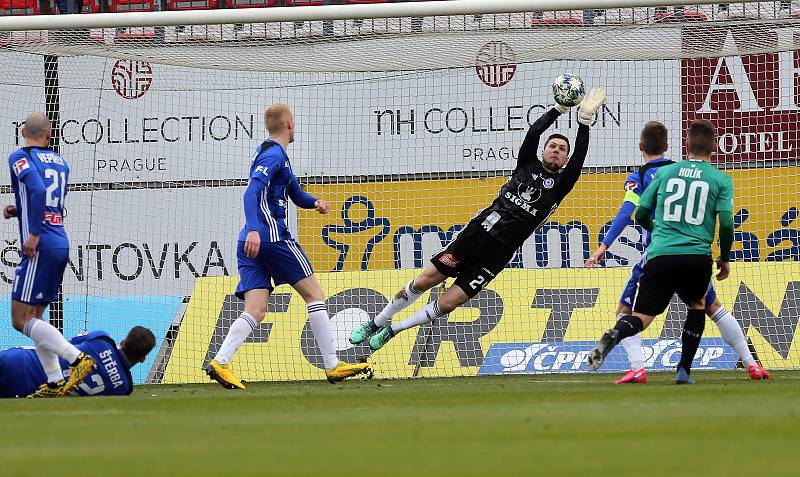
(474, 258)
(664, 275)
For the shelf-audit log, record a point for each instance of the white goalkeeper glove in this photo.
(590, 105)
(561, 108)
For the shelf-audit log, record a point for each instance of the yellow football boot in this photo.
(78, 371)
(343, 371)
(50, 390)
(223, 374)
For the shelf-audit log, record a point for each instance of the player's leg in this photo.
(692, 274)
(289, 264)
(732, 333)
(633, 344)
(429, 278)
(652, 298)
(254, 288)
(36, 284)
(479, 261)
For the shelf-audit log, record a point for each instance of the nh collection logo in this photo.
(495, 64)
(131, 79)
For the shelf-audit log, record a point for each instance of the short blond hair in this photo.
(277, 117)
(37, 126)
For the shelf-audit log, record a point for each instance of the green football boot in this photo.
(363, 332)
(381, 338)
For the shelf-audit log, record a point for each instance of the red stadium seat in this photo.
(557, 21)
(192, 4)
(687, 17)
(355, 2)
(251, 3)
(91, 6)
(119, 6)
(302, 3)
(19, 7)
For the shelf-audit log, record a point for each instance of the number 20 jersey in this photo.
(40, 168)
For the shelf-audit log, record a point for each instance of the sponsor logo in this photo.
(53, 218)
(528, 193)
(495, 64)
(131, 79)
(449, 260)
(20, 166)
(630, 185)
(662, 354)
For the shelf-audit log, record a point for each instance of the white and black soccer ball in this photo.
(568, 90)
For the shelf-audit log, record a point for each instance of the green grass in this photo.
(551, 425)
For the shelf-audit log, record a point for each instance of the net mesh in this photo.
(408, 127)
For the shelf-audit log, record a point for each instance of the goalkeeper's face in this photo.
(554, 156)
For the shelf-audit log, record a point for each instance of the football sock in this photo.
(692, 332)
(732, 334)
(425, 315)
(321, 327)
(48, 337)
(50, 364)
(633, 348)
(237, 334)
(405, 297)
(628, 326)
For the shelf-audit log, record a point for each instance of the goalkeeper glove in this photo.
(590, 105)
(561, 108)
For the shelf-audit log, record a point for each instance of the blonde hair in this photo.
(276, 117)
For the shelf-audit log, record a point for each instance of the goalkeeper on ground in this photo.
(486, 245)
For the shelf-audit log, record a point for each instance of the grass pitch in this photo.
(543, 425)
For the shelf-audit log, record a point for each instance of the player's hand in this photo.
(9, 211)
(561, 108)
(252, 244)
(724, 269)
(594, 259)
(322, 206)
(591, 103)
(29, 246)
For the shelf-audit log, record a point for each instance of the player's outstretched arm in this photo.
(725, 244)
(527, 152)
(586, 112)
(622, 220)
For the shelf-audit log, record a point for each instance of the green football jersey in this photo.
(686, 197)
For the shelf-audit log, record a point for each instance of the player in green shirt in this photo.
(687, 198)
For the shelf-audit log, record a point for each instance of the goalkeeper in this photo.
(486, 245)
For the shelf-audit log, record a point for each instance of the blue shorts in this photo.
(277, 263)
(629, 292)
(36, 280)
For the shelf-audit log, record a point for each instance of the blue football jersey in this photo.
(39, 178)
(270, 165)
(638, 180)
(21, 372)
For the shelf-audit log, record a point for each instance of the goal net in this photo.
(407, 126)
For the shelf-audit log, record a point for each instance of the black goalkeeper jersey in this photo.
(532, 193)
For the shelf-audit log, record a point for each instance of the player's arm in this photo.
(303, 199)
(32, 187)
(622, 220)
(647, 204)
(527, 152)
(256, 187)
(586, 112)
(725, 211)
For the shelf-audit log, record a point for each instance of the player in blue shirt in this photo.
(653, 144)
(39, 179)
(268, 256)
(21, 372)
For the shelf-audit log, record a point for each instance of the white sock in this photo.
(633, 348)
(50, 364)
(321, 327)
(732, 334)
(406, 297)
(47, 337)
(429, 313)
(237, 334)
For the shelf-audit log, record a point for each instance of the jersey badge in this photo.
(528, 194)
(20, 166)
(631, 185)
(548, 183)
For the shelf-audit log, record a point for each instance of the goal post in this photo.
(409, 119)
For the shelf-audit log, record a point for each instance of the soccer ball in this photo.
(568, 90)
